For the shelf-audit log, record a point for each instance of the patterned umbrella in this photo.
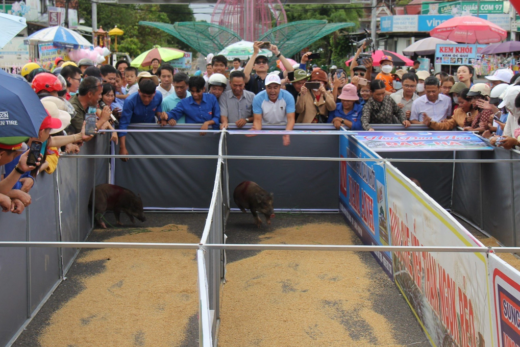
(242, 50)
(59, 37)
(157, 52)
(397, 59)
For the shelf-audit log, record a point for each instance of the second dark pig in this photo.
(110, 197)
(250, 196)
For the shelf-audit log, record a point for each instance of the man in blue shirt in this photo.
(198, 108)
(141, 107)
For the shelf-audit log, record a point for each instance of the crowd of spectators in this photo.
(232, 94)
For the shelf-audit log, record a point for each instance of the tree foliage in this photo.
(138, 38)
(334, 47)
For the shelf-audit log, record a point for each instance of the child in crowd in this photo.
(131, 80)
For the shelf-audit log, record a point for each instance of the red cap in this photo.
(386, 58)
(50, 123)
(57, 60)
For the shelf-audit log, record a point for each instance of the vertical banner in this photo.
(448, 292)
(363, 197)
(505, 290)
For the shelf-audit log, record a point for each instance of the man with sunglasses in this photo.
(360, 71)
(255, 82)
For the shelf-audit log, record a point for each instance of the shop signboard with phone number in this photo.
(457, 54)
(458, 7)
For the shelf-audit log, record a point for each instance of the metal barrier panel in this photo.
(467, 193)
(435, 178)
(290, 181)
(205, 334)
(179, 183)
(68, 193)
(497, 197)
(13, 277)
(42, 226)
(515, 168)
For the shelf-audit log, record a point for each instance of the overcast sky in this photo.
(202, 11)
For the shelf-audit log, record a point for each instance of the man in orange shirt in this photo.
(385, 75)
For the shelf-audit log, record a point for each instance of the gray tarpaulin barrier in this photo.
(28, 276)
(488, 194)
(435, 178)
(169, 183)
(294, 183)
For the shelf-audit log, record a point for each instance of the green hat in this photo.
(458, 88)
(299, 75)
(13, 143)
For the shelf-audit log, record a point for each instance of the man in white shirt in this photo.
(237, 65)
(165, 87)
(405, 97)
(434, 105)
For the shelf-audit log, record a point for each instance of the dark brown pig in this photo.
(249, 195)
(110, 197)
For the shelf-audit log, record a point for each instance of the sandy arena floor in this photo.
(272, 298)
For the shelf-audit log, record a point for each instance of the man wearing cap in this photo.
(422, 76)
(433, 106)
(500, 76)
(236, 105)
(348, 112)
(479, 93)
(12, 200)
(85, 63)
(89, 93)
(297, 78)
(255, 82)
(385, 75)
(141, 107)
(405, 97)
(274, 106)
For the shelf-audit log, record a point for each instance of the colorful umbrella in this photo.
(242, 50)
(397, 59)
(157, 52)
(504, 47)
(425, 46)
(59, 37)
(11, 26)
(21, 112)
(469, 29)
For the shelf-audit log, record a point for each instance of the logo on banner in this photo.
(4, 115)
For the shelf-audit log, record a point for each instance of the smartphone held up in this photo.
(34, 153)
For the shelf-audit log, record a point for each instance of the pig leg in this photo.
(117, 214)
(258, 221)
(240, 206)
(100, 208)
(268, 219)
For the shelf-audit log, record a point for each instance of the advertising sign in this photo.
(48, 53)
(363, 198)
(505, 291)
(54, 17)
(466, 7)
(425, 23)
(182, 63)
(413, 141)
(457, 54)
(448, 292)
(14, 54)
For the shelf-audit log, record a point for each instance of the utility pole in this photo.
(94, 20)
(373, 26)
(66, 24)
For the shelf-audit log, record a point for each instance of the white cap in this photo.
(272, 78)
(422, 75)
(503, 75)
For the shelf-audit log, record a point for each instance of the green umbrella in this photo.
(157, 52)
(242, 50)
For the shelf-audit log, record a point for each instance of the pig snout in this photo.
(142, 218)
(272, 216)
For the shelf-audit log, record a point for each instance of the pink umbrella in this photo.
(397, 59)
(469, 29)
(280, 65)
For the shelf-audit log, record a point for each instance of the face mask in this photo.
(456, 99)
(72, 93)
(387, 68)
(397, 85)
(420, 88)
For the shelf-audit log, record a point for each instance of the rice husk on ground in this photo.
(300, 298)
(507, 257)
(143, 298)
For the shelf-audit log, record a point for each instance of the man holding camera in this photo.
(255, 82)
